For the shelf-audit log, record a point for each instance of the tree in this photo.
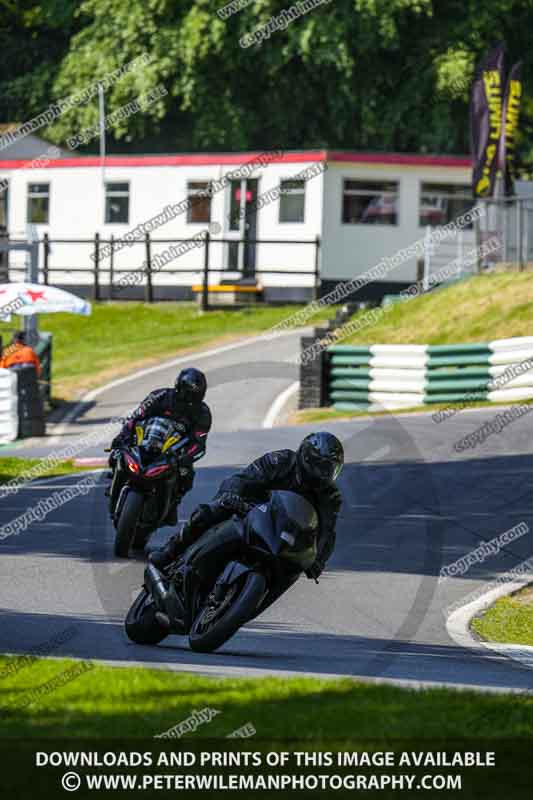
(370, 74)
(34, 38)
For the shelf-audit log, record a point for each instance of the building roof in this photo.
(27, 148)
(287, 157)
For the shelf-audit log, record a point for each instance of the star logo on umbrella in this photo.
(35, 295)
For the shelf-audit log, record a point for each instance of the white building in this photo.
(362, 207)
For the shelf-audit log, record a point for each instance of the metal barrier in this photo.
(31, 418)
(380, 377)
(43, 348)
(511, 220)
(104, 271)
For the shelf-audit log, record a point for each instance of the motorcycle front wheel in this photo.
(141, 537)
(141, 624)
(219, 621)
(127, 523)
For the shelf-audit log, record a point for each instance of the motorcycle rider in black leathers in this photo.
(311, 471)
(184, 405)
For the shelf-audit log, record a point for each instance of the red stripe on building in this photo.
(401, 159)
(205, 159)
(194, 160)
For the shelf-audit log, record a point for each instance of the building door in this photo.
(243, 226)
(4, 257)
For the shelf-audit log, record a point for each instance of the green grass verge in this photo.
(509, 620)
(133, 702)
(486, 307)
(15, 467)
(118, 337)
(308, 415)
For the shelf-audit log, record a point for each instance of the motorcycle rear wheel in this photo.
(207, 634)
(141, 624)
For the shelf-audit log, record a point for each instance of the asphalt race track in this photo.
(412, 505)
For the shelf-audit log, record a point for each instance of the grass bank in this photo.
(509, 620)
(16, 467)
(49, 698)
(486, 307)
(119, 337)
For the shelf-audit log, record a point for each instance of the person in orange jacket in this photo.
(18, 352)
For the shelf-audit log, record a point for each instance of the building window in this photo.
(38, 203)
(117, 203)
(292, 201)
(370, 203)
(4, 188)
(441, 203)
(199, 201)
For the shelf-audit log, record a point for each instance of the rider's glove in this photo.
(314, 571)
(186, 471)
(232, 502)
(186, 461)
(200, 520)
(118, 442)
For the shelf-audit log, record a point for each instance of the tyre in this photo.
(114, 490)
(127, 523)
(212, 628)
(141, 537)
(141, 624)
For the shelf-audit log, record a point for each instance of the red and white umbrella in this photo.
(38, 298)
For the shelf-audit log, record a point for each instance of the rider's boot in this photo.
(201, 519)
(172, 516)
(175, 546)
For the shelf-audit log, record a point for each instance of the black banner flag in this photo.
(511, 113)
(486, 121)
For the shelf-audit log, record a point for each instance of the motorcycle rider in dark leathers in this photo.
(184, 405)
(311, 471)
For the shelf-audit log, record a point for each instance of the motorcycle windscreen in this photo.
(296, 528)
(262, 529)
(157, 431)
(294, 523)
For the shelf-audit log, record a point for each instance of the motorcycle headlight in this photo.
(132, 465)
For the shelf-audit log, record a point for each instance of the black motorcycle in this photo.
(276, 541)
(146, 479)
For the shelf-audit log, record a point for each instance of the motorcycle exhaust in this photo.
(153, 580)
(166, 598)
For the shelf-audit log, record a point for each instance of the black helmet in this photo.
(190, 386)
(320, 458)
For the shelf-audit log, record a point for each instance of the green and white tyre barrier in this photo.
(9, 420)
(403, 376)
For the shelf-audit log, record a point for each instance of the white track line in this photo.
(277, 405)
(43, 483)
(229, 671)
(458, 625)
(194, 356)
